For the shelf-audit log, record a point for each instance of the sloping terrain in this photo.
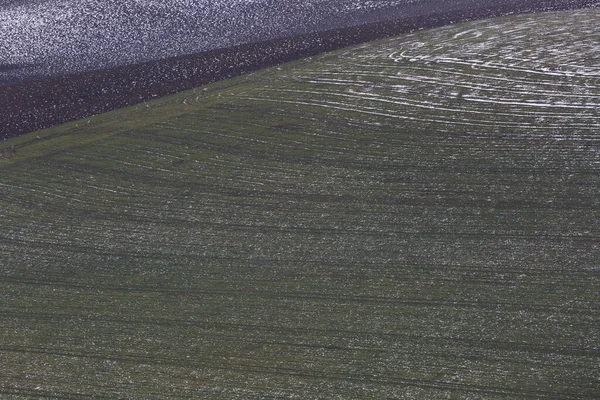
(61, 37)
(62, 60)
(414, 218)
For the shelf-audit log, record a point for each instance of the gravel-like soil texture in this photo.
(56, 90)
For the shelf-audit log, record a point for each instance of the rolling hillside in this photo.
(62, 60)
(413, 218)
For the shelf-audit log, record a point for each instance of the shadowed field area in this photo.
(92, 76)
(413, 218)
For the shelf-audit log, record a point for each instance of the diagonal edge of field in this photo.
(38, 104)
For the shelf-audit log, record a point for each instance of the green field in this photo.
(414, 218)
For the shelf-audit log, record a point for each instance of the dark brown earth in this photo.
(32, 105)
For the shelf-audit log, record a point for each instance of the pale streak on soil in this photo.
(366, 224)
(543, 88)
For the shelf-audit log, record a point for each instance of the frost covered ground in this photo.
(55, 37)
(62, 60)
(415, 218)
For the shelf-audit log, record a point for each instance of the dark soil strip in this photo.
(37, 104)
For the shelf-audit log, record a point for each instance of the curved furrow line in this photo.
(430, 105)
(350, 226)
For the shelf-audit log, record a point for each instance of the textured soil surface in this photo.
(58, 91)
(411, 218)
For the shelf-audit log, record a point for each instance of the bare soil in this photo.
(37, 104)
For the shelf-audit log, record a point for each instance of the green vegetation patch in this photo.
(415, 218)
